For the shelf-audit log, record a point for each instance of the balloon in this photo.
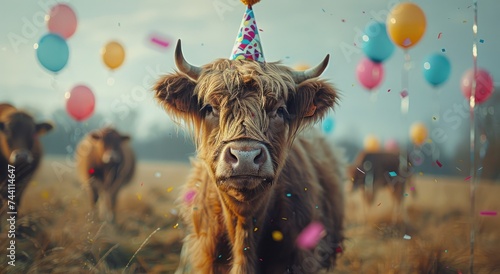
(484, 85)
(328, 125)
(376, 44)
(52, 52)
(406, 24)
(436, 69)
(371, 144)
(369, 73)
(113, 54)
(391, 145)
(80, 103)
(418, 133)
(301, 67)
(62, 20)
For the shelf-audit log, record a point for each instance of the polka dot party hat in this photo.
(247, 45)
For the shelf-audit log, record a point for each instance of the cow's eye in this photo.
(209, 110)
(281, 112)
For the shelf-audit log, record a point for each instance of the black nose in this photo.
(246, 160)
(20, 156)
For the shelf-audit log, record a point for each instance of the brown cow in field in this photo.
(373, 171)
(255, 174)
(19, 148)
(105, 163)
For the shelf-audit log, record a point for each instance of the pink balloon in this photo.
(369, 73)
(484, 84)
(80, 103)
(391, 145)
(62, 20)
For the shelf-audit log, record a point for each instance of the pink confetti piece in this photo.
(468, 178)
(189, 196)
(160, 42)
(488, 213)
(404, 94)
(389, 90)
(310, 236)
(439, 35)
(412, 188)
(439, 163)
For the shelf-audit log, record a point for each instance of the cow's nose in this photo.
(20, 156)
(246, 160)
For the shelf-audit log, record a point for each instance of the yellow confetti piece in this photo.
(170, 189)
(176, 225)
(139, 196)
(255, 229)
(305, 188)
(284, 219)
(45, 194)
(277, 236)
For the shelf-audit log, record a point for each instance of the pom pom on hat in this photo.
(250, 2)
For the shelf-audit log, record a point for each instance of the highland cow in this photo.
(258, 170)
(105, 163)
(20, 149)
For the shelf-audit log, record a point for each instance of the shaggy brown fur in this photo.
(105, 163)
(230, 229)
(19, 147)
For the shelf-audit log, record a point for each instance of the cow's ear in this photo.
(95, 135)
(312, 100)
(42, 128)
(175, 92)
(125, 137)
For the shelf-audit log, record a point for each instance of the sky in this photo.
(293, 32)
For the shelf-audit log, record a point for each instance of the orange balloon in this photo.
(418, 133)
(301, 67)
(406, 24)
(113, 54)
(371, 144)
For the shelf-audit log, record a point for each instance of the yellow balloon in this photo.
(418, 133)
(406, 24)
(113, 54)
(371, 144)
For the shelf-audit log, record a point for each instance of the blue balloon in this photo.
(328, 125)
(436, 69)
(376, 43)
(52, 52)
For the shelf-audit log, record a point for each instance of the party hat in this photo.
(247, 45)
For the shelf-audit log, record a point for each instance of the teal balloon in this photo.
(328, 125)
(376, 43)
(52, 52)
(436, 69)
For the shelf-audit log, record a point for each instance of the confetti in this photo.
(404, 93)
(406, 194)
(284, 219)
(176, 225)
(246, 248)
(439, 35)
(443, 50)
(255, 229)
(439, 163)
(468, 178)
(310, 235)
(323, 10)
(412, 188)
(339, 249)
(157, 174)
(360, 170)
(142, 183)
(261, 30)
(389, 90)
(305, 188)
(289, 195)
(45, 194)
(91, 171)
(446, 250)
(407, 42)
(393, 174)
(189, 196)
(343, 20)
(407, 237)
(170, 189)
(277, 236)
(139, 196)
(481, 41)
(379, 204)
(488, 213)
(160, 41)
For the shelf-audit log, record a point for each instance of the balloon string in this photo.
(473, 181)
(405, 106)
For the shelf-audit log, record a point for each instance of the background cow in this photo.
(105, 163)
(254, 173)
(373, 171)
(19, 147)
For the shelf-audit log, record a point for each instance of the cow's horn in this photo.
(181, 63)
(301, 76)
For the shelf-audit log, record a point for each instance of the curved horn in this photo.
(301, 76)
(181, 63)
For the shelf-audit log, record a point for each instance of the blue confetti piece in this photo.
(481, 41)
(393, 174)
(289, 195)
(443, 50)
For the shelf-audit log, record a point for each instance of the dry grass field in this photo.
(57, 235)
